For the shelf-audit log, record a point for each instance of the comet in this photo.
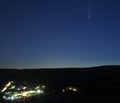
(89, 14)
(89, 10)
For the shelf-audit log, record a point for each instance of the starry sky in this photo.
(59, 33)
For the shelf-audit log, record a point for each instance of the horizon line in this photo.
(67, 67)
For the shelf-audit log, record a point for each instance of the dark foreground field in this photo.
(95, 85)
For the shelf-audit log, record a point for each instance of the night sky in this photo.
(59, 33)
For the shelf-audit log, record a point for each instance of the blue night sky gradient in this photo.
(59, 33)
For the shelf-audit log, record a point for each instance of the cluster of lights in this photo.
(72, 89)
(12, 92)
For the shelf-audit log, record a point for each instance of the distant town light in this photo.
(72, 89)
(13, 92)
